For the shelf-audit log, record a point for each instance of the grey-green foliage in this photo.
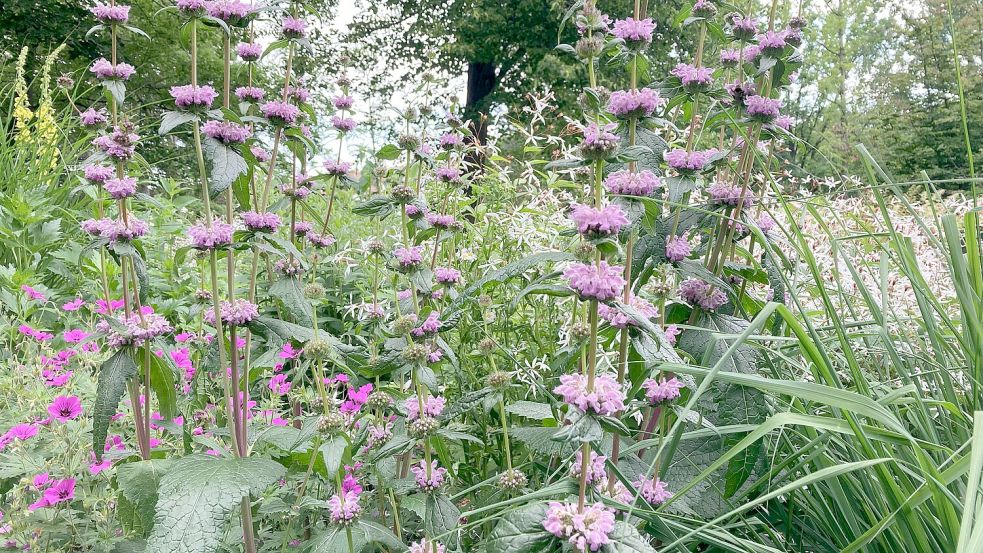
(137, 499)
(723, 404)
(521, 530)
(363, 534)
(113, 375)
(197, 496)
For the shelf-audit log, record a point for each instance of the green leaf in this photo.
(584, 428)
(376, 206)
(289, 291)
(174, 119)
(723, 404)
(400, 443)
(377, 533)
(540, 440)
(116, 88)
(333, 540)
(276, 330)
(465, 403)
(110, 388)
(227, 165)
(333, 453)
(626, 539)
(458, 436)
(162, 381)
(197, 496)
(566, 164)
(530, 410)
(503, 274)
(648, 150)
(240, 188)
(364, 533)
(137, 499)
(441, 516)
(521, 531)
(388, 152)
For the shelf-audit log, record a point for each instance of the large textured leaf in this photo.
(197, 496)
(112, 384)
(723, 404)
(174, 119)
(162, 381)
(290, 292)
(648, 153)
(227, 165)
(116, 89)
(441, 516)
(626, 539)
(364, 533)
(531, 410)
(376, 206)
(521, 531)
(277, 332)
(540, 440)
(334, 452)
(137, 499)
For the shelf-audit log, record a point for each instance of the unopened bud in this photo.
(331, 422)
(416, 353)
(402, 194)
(313, 291)
(317, 350)
(580, 331)
(408, 142)
(499, 380)
(423, 427)
(487, 345)
(512, 480)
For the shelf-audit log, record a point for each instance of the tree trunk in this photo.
(482, 80)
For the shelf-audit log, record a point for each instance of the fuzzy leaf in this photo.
(162, 381)
(441, 516)
(626, 539)
(290, 292)
(722, 405)
(364, 533)
(530, 410)
(137, 500)
(227, 165)
(197, 496)
(521, 531)
(503, 274)
(376, 206)
(174, 119)
(388, 152)
(540, 440)
(116, 89)
(113, 375)
(333, 453)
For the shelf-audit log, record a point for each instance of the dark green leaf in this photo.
(521, 531)
(173, 119)
(111, 386)
(137, 500)
(197, 496)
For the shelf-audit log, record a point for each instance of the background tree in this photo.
(502, 49)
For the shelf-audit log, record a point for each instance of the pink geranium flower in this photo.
(73, 305)
(65, 408)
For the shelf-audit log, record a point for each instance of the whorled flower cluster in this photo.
(605, 398)
(586, 530)
(238, 312)
(601, 282)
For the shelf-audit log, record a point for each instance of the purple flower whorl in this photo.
(600, 282)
